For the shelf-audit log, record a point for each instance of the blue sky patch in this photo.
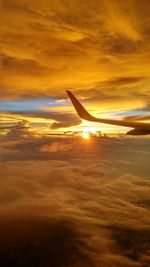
(30, 104)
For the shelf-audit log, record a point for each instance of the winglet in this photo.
(81, 111)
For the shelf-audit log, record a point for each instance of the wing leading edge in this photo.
(139, 127)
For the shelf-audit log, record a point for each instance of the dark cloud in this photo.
(57, 125)
(61, 119)
(138, 117)
(20, 130)
(121, 46)
(17, 66)
(125, 80)
(51, 243)
(134, 248)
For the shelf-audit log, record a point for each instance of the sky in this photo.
(98, 49)
(79, 198)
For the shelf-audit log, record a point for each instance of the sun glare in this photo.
(90, 130)
(85, 135)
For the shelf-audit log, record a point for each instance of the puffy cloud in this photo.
(64, 194)
(21, 129)
(37, 120)
(93, 216)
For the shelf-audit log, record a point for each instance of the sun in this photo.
(86, 135)
(91, 130)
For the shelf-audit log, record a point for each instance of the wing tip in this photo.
(81, 111)
(68, 92)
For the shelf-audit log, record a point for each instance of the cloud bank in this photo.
(69, 202)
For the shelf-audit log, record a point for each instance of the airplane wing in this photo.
(140, 128)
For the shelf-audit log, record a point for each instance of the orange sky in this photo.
(98, 49)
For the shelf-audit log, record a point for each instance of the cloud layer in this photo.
(69, 202)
